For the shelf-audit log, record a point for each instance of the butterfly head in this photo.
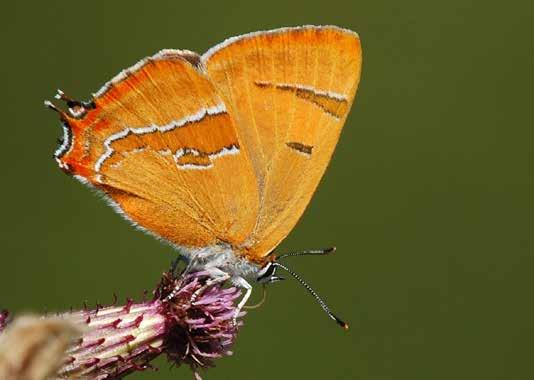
(267, 273)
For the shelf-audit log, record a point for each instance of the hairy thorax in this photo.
(223, 257)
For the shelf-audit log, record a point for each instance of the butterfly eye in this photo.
(266, 273)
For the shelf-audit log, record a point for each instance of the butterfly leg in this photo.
(242, 283)
(216, 277)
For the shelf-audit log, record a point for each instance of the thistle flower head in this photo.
(201, 331)
(189, 321)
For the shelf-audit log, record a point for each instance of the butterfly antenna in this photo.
(310, 252)
(319, 300)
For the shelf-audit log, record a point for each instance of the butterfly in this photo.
(218, 154)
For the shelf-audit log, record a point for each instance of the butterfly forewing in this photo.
(291, 90)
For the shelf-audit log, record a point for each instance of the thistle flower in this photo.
(187, 320)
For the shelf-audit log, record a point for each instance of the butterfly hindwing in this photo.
(162, 145)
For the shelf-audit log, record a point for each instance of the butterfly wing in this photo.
(161, 144)
(291, 90)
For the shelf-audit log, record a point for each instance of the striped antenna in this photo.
(314, 294)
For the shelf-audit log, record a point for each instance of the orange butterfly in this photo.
(218, 154)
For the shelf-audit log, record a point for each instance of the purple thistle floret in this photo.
(123, 339)
(4, 314)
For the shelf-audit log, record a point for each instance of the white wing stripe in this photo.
(198, 116)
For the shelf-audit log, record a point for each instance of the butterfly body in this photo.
(223, 257)
(218, 154)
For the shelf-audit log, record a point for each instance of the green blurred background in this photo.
(429, 197)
